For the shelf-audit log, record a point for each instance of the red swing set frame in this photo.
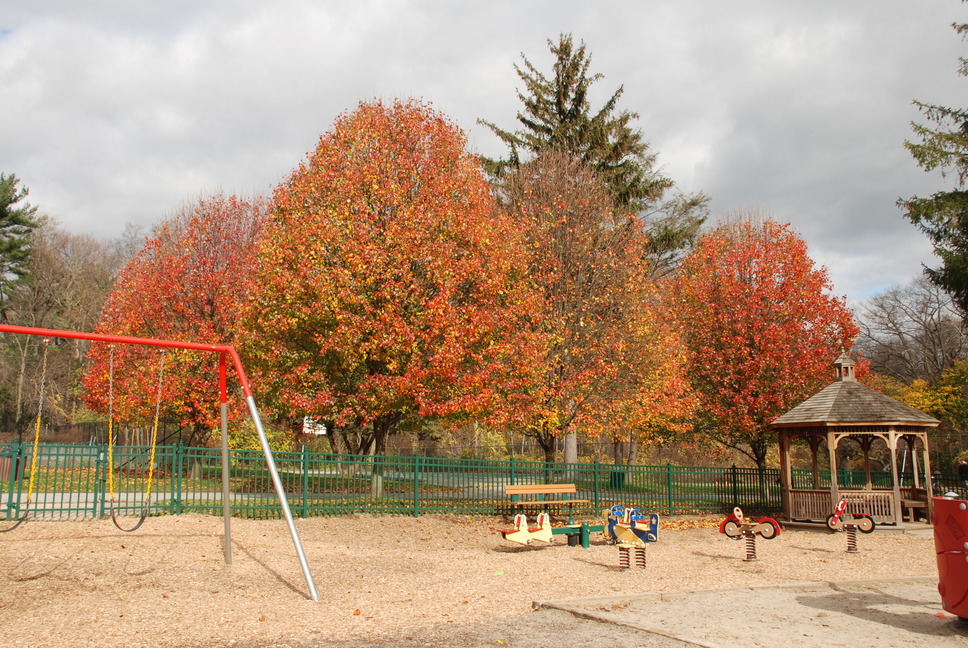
(225, 353)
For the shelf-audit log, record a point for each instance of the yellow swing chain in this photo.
(40, 409)
(111, 425)
(154, 444)
(154, 431)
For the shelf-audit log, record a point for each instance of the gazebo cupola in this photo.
(849, 410)
(845, 367)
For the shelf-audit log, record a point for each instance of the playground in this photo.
(433, 580)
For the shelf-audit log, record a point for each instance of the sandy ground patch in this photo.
(381, 580)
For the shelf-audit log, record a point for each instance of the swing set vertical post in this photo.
(226, 498)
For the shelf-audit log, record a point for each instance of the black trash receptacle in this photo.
(617, 478)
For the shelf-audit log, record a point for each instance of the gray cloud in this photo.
(118, 112)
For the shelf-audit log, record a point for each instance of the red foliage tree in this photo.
(186, 284)
(761, 326)
(386, 287)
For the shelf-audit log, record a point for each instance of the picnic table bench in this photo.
(538, 496)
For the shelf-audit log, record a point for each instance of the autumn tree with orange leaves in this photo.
(388, 286)
(761, 325)
(608, 363)
(186, 284)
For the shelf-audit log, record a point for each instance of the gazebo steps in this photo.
(918, 529)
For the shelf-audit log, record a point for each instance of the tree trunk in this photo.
(760, 449)
(342, 445)
(382, 427)
(571, 448)
(549, 450)
(571, 455)
(625, 452)
(546, 440)
(20, 388)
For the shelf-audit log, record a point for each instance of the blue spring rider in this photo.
(628, 529)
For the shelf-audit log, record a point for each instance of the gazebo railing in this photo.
(879, 504)
(811, 505)
(815, 505)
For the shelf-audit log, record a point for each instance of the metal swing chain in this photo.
(40, 410)
(154, 431)
(111, 426)
(151, 460)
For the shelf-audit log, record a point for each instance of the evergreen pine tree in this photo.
(943, 216)
(16, 226)
(557, 115)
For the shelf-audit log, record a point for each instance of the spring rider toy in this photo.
(627, 528)
(841, 520)
(524, 534)
(735, 526)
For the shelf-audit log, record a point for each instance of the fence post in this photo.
(733, 480)
(177, 476)
(597, 477)
(762, 485)
(305, 481)
(10, 469)
(416, 485)
(100, 481)
(669, 486)
(15, 484)
(512, 469)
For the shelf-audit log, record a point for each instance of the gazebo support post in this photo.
(865, 446)
(815, 459)
(928, 482)
(834, 486)
(786, 475)
(895, 478)
(912, 449)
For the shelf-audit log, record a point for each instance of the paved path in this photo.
(903, 613)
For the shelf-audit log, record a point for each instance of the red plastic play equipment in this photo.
(736, 526)
(843, 520)
(950, 519)
(226, 354)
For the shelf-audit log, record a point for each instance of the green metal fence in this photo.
(74, 481)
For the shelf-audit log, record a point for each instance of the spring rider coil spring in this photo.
(851, 538)
(750, 546)
(625, 557)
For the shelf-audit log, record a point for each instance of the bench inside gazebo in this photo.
(847, 411)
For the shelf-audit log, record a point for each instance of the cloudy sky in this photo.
(116, 112)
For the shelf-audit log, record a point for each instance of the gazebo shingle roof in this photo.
(847, 402)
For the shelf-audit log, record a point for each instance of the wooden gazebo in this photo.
(849, 410)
